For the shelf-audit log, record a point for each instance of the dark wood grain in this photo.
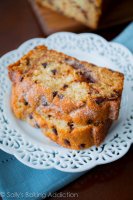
(17, 24)
(113, 181)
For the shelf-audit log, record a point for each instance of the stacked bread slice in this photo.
(73, 102)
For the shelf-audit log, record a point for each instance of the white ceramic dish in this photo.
(29, 145)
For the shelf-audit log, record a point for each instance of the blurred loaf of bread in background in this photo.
(87, 12)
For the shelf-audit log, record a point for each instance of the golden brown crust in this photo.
(51, 89)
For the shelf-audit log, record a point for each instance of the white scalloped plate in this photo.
(28, 144)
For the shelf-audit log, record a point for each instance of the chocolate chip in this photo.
(111, 70)
(99, 100)
(65, 86)
(83, 70)
(67, 142)
(26, 103)
(21, 79)
(27, 61)
(60, 96)
(89, 121)
(86, 74)
(36, 47)
(113, 95)
(74, 63)
(82, 146)
(44, 101)
(117, 92)
(55, 93)
(71, 125)
(54, 71)
(90, 79)
(30, 116)
(49, 116)
(80, 73)
(84, 13)
(44, 65)
(55, 131)
(36, 125)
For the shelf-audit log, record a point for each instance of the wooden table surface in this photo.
(112, 181)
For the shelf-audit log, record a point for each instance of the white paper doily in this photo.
(28, 144)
